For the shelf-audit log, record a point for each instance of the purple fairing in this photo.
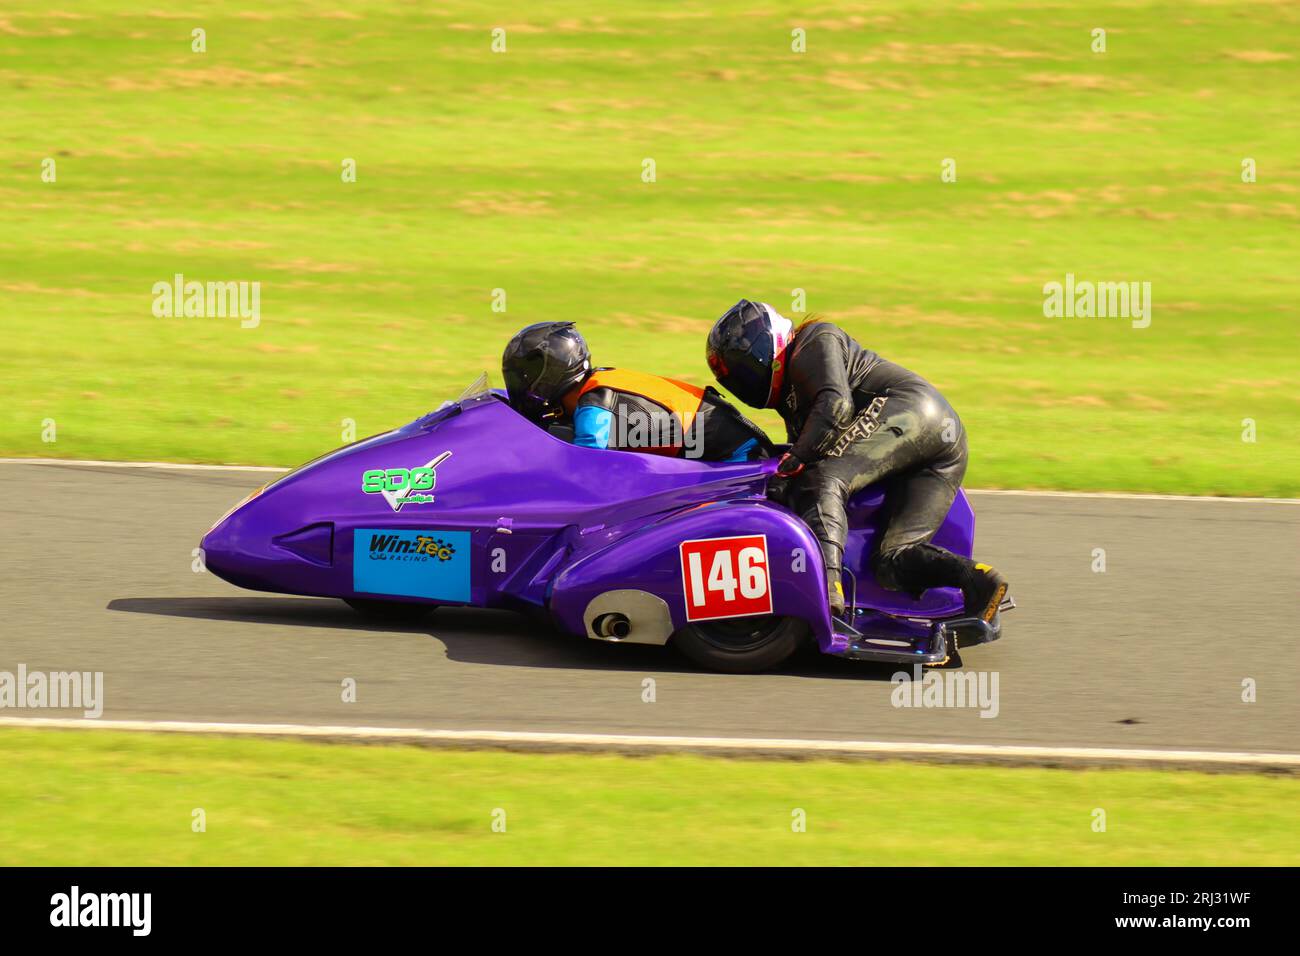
(513, 517)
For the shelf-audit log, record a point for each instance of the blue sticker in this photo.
(426, 564)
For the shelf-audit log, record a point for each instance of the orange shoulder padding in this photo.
(680, 398)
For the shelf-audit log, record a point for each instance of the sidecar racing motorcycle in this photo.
(473, 505)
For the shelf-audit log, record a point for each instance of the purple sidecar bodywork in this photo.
(474, 505)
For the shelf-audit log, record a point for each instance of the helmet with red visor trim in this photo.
(746, 352)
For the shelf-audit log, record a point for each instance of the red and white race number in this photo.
(726, 577)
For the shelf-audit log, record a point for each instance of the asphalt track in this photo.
(1197, 596)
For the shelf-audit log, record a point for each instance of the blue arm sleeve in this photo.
(744, 451)
(591, 426)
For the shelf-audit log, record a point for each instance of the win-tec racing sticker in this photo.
(404, 486)
(429, 564)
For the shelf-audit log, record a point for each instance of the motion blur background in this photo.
(638, 168)
(774, 170)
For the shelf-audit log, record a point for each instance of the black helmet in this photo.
(541, 364)
(744, 351)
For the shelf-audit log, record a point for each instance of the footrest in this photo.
(925, 647)
(891, 640)
(969, 631)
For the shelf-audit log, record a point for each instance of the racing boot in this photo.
(835, 592)
(983, 590)
(917, 568)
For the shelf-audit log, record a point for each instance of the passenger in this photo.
(550, 380)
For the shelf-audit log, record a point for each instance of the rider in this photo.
(855, 419)
(550, 380)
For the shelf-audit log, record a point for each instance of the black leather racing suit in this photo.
(856, 419)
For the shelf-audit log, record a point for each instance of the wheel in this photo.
(395, 612)
(742, 645)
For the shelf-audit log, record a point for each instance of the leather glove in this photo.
(789, 466)
(778, 486)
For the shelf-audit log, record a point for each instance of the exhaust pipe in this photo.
(613, 626)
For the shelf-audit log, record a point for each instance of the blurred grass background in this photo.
(93, 798)
(775, 171)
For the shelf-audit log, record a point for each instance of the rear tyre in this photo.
(742, 645)
(391, 612)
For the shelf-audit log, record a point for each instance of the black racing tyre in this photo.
(742, 645)
(393, 612)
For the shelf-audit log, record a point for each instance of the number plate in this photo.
(726, 577)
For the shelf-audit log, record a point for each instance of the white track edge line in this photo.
(615, 741)
(1028, 493)
(1128, 496)
(165, 465)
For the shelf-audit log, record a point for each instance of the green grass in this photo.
(99, 797)
(775, 171)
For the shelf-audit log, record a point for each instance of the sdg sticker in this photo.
(726, 577)
(378, 481)
(404, 486)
